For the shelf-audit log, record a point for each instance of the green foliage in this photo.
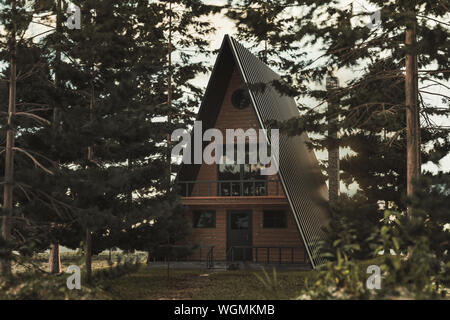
(340, 279)
(129, 265)
(33, 285)
(39, 286)
(163, 237)
(353, 229)
(423, 237)
(412, 251)
(270, 283)
(98, 91)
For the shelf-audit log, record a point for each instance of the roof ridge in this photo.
(242, 47)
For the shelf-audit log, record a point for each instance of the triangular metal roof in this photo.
(299, 170)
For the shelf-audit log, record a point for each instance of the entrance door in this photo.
(239, 234)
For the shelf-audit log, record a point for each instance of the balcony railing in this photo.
(230, 188)
(267, 254)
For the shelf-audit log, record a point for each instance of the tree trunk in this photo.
(54, 261)
(88, 232)
(9, 151)
(130, 185)
(333, 146)
(88, 256)
(169, 95)
(412, 114)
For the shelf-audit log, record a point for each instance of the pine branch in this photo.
(37, 163)
(433, 19)
(33, 116)
(435, 94)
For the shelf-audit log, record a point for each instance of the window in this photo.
(239, 221)
(204, 219)
(240, 99)
(244, 179)
(274, 219)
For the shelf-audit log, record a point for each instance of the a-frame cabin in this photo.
(236, 213)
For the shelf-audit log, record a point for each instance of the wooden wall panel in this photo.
(210, 236)
(232, 118)
(287, 237)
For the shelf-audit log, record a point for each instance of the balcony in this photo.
(230, 188)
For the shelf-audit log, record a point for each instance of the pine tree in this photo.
(183, 30)
(108, 67)
(25, 117)
(55, 219)
(186, 30)
(118, 68)
(99, 90)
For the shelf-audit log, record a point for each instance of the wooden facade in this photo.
(266, 241)
(267, 224)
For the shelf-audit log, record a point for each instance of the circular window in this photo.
(240, 99)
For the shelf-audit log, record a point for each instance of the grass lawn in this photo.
(151, 283)
(138, 282)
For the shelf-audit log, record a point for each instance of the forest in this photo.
(91, 91)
